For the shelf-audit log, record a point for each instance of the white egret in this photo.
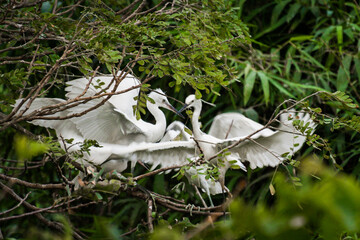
(265, 148)
(269, 146)
(266, 151)
(175, 131)
(112, 122)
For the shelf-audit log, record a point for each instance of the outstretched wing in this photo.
(163, 154)
(123, 101)
(65, 128)
(265, 150)
(231, 125)
(114, 119)
(104, 124)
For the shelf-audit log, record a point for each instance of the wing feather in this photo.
(264, 150)
(103, 123)
(123, 102)
(66, 128)
(113, 120)
(164, 154)
(231, 125)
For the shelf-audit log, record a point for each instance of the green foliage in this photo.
(245, 56)
(323, 207)
(299, 47)
(166, 234)
(26, 149)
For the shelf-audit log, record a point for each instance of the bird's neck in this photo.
(196, 124)
(158, 129)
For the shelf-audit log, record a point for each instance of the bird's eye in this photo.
(164, 101)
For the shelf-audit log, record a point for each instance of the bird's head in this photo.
(191, 102)
(161, 100)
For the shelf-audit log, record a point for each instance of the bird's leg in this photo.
(199, 194)
(211, 202)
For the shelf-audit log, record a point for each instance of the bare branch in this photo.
(12, 180)
(149, 215)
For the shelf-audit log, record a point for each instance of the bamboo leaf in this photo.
(296, 85)
(357, 67)
(249, 85)
(311, 59)
(293, 11)
(301, 38)
(272, 27)
(343, 76)
(339, 34)
(277, 11)
(265, 86)
(280, 88)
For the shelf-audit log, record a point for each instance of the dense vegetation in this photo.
(254, 57)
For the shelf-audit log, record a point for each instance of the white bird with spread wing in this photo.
(112, 122)
(264, 148)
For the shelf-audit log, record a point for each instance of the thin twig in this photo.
(18, 205)
(12, 180)
(199, 195)
(156, 172)
(149, 215)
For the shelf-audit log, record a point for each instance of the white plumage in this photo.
(113, 122)
(263, 149)
(124, 139)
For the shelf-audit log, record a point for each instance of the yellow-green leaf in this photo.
(272, 189)
(26, 148)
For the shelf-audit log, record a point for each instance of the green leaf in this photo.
(296, 85)
(271, 28)
(343, 76)
(249, 85)
(108, 67)
(311, 59)
(277, 11)
(187, 130)
(293, 11)
(280, 88)
(114, 55)
(198, 94)
(26, 148)
(98, 195)
(339, 34)
(265, 86)
(301, 38)
(357, 68)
